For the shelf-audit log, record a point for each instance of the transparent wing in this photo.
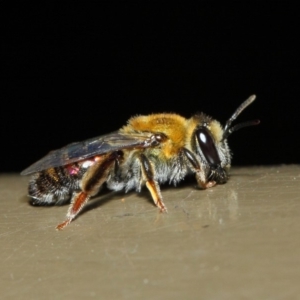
(95, 146)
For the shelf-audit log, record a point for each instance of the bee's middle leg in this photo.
(91, 182)
(151, 183)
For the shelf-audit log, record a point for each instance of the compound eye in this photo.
(207, 146)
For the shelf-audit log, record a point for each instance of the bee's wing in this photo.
(95, 146)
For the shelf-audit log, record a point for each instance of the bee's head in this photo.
(211, 143)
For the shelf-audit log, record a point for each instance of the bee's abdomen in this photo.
(53, 186)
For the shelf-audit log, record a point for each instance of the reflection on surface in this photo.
(197, 208)
(219, 209)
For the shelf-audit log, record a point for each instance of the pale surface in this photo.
(240, 240)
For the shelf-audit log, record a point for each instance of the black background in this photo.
(73, 71)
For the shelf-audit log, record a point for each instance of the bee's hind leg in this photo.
(78, 201)
(91, 182)
(151, 183)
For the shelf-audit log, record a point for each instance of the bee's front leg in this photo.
(202, 181)
(152, 185)
(91, 182)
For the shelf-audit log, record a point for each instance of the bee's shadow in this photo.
(103, 198)
(99, 200)
(106, 195)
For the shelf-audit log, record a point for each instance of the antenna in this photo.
(228, 130)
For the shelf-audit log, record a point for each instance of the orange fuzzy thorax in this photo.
(172, 125)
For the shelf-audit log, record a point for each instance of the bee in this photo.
(148, 150)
